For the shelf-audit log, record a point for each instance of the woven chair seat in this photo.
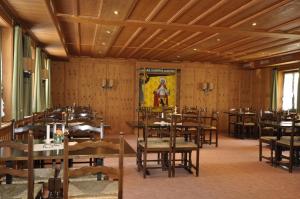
(159, 144)
(246, 123)
(152, 139)
(287, 142)
(93, 190)
(17, 191)
(181, 143)
(268, 128)
(78, 179)
(296, 138)
(268, 138)
(208, 127)
(40, 175)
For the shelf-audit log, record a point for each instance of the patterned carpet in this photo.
(231, 171)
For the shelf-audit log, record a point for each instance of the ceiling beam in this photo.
(195, 20)
(96, 28)
(52, 12)
(278, 60)
(179, 13)
(277, 46)
(293, 21)
(15, 19)
(261, 12)
(174, 26)
(122, 28)
(77, 26)
(152, 14)
(235, 12)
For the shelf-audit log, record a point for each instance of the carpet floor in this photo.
(231, 171)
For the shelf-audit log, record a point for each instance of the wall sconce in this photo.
(110, 83)
(207, 87)
(103, 84)
(107, 83)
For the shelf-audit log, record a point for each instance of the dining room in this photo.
(149, 99)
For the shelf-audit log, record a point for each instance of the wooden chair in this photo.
(160, 145)
(266, 134)
(246, 122)
(6, 132)
(86, 131)
(93, 189)
(210, 124)
(232, 120)
(292, 144)
(190, 115)
(183, 146)
(27, 190)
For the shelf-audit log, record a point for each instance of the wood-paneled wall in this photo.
(261, 88)
(79, 81)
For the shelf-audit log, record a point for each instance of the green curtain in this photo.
(274, 89)
(27, 78)
(48, 85)
(36, 102)
(298, 94)
(27, 95)
(17, 87)
(43, 85)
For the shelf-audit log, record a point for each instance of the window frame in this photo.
(292, 71)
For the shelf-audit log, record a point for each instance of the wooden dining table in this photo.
(9, 155)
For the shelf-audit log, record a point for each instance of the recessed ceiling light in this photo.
(116, 12)
(108, 31)
(254, 24)
(218, 39)
(195, 49)
(103, 43)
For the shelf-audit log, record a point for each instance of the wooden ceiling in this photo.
(165, 30)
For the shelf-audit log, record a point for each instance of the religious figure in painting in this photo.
(161, 94)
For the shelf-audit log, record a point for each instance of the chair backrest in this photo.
(112, 173)
(28, 173)
(6, 132)
(190, 110)
(86, 131)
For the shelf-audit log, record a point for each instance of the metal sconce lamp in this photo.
(107, 83)
(207, 87)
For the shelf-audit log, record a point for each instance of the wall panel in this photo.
(80, 82)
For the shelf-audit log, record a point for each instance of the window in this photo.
(290, 90)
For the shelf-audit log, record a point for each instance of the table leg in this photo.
(9, 177)
(99, 162)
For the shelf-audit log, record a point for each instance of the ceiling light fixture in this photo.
(108, 31)
(116, 12)
(195, 49)
(254, 24)
(103, 43)
(218, 39)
